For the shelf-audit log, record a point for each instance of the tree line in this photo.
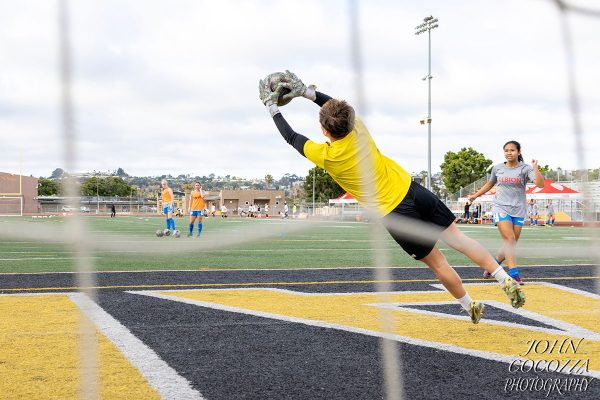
(94, 186)
(458, 170)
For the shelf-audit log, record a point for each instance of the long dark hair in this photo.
(518, 145)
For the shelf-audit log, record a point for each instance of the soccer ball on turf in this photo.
(274, 80)
(176, 233)
(166, 232)
(159, 233)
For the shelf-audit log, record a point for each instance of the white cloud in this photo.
(171, 87)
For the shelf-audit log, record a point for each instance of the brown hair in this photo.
(337, 117)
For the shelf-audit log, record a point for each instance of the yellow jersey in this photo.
(342, 160)
(198, 202)
(167, 198)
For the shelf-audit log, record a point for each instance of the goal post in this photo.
(11, 206)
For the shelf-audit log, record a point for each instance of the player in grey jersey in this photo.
(510, 205)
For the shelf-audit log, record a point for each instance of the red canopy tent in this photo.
(553, 191)
(346, 198)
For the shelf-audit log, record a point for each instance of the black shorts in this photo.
(420, 204)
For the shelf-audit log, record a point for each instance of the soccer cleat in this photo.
(189, 235)
(513, 290)
(514, 273)
(476, 311)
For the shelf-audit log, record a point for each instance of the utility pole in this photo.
(428, 24)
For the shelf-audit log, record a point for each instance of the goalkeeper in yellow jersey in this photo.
(387, 188)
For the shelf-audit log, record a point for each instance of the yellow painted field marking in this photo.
(39, 353)
(233, 284)
(358, 311)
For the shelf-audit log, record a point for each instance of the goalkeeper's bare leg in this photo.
(436, 261)
(478, 254)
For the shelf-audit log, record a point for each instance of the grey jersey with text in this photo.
(511, 184)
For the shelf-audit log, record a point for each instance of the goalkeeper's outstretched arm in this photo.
(293, 138)
(321, 98)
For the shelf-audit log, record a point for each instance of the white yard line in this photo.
(167, 382)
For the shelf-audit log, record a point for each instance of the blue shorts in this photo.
(167, 209)
(505, 217)
(196, 213)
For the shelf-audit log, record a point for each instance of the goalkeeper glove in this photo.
(268, 97)
(297, 87)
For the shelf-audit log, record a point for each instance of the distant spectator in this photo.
(467, 215)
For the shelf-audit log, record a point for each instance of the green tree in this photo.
(544, 169)
(48, 187)
(437, 185)
(120, 172)
(58, 173)
(269, 180)
(325, 187)
(111, 186)
(460, 169)
(91, 187)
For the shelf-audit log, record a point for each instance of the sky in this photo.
(171, 87)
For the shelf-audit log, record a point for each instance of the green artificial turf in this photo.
(324, 244)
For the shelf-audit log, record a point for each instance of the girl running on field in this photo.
(510, 205)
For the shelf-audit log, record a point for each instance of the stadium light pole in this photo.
(313, 187)
(97, 197)
(428, 24)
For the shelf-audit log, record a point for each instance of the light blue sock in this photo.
(199, 229)
(191, 228)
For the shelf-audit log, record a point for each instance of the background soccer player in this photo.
(550, 213)
(168, 201)
(350, 146)
(510, 203)
(532, 212)
(197, 206)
